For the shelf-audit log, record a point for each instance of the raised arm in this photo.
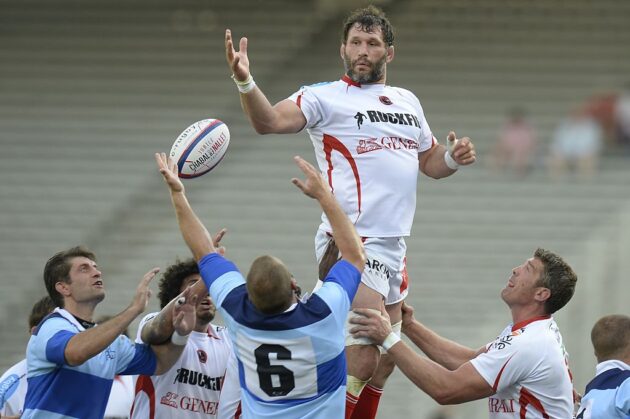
(283, 118)
(344, 234)
(89, 343)
(436, 164)
(193, 231)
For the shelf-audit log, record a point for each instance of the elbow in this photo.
(445, 397)
(75, 359)
(359, 260)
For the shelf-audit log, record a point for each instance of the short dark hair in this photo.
(369, 18)
(611, 338)
(43, 307)
(173, 278)
(57, 269)
(558, 277)
(269, 285)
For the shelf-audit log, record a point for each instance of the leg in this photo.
(367, 406)
(362, 359)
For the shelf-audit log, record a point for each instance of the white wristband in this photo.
(245, 86)
(177, 339)
(390, 341)
(448, 159)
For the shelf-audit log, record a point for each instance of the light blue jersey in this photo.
(291, 365)
(608, 394)
(57, 390)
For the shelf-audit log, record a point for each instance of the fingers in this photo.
(366, 312)
(219, 236)
(242, 46)
(451, 140)
(148, 277)
(297, 182)
(464, 152)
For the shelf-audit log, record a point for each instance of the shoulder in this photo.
(54, 322)
(399, 91)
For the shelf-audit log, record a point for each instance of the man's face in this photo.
(205, 307)
(85, 281)
(523, 284)
(365, 55)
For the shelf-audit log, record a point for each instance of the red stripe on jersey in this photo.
(145, 385)
(496, 381)
(528, 398)
(524, 323)
(331, 143)
(238, 413)
(405, 276)
(349, 81)
(299, 100)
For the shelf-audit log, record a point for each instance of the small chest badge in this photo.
(203, 357)
(385, 100)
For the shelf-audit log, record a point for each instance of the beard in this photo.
(377, 70)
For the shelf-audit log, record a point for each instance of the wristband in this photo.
(179, 340)
(448, 159)
(245, 86)
(390, 341)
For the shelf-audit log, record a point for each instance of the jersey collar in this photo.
(524, 323)
(349, 81)
(611, 364)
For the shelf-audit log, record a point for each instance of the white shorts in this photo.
(385, 268)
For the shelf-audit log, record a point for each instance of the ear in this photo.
(294, 285)
(63, 288)
(390, 54)
(342, 51)
(542, 294)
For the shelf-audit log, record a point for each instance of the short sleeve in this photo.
(143, 322)
(220, 276)
(52, 338)
(308, 102)
(426, 140)
(505, 362)
(133, 359)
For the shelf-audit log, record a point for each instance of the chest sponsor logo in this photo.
(385, 143)
(502, 342)
(192, 404)
(195, 378)
(396, 118)
(500, 405)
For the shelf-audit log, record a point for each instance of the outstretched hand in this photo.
(314, 185)
(143, 292)
(168, 169)
(462, 150)
(237, 61)
(216, 241)
(184, 312)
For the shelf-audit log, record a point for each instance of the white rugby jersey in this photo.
(367, 138)
(192, 387)
(527, 368)
(291, 365)
(13, 389)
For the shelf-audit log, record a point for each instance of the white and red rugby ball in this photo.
(200, 147)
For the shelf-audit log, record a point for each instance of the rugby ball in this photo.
(200, 147)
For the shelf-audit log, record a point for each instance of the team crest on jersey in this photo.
(203, 357)
(385, 100)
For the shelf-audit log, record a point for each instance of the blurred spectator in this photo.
(516, 144)
(601, 107)
(576, 142)
(622, 115)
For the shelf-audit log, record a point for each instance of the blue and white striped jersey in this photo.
(608, 394)
(292, 364)
(57, 390)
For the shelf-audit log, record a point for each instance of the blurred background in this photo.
(90, 90)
